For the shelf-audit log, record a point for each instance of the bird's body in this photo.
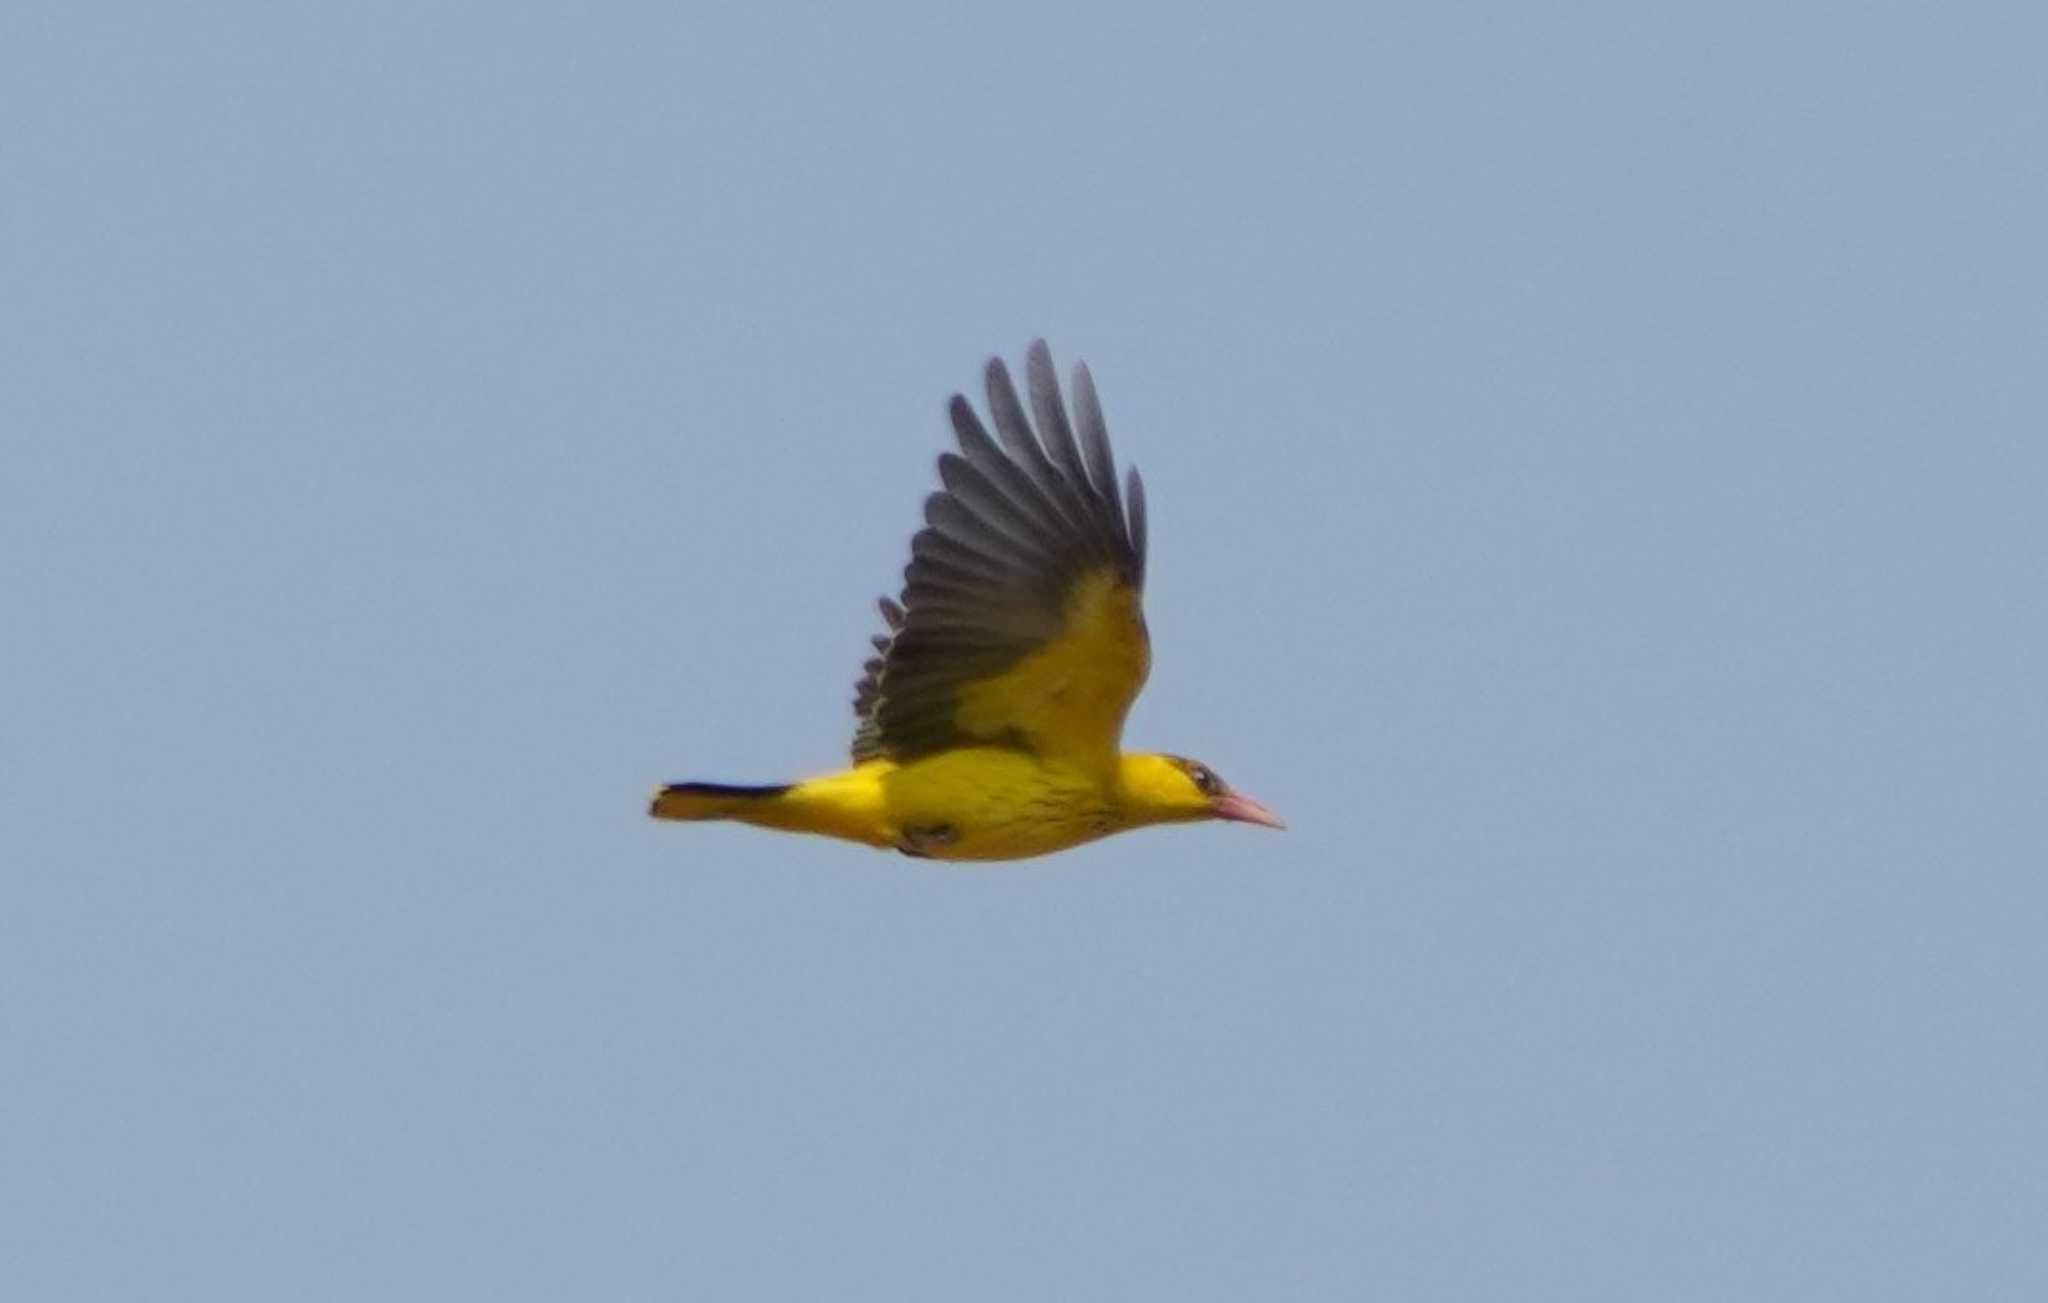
(974, 803)
(977, 803)
(990, 723)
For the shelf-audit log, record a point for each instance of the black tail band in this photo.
(724, 789)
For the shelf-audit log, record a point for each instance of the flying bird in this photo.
(992, 715)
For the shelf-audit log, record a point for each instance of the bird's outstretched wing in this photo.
(1020, 622)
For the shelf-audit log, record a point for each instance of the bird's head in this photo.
(1174, 789)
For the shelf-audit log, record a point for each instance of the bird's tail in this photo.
(711, 800)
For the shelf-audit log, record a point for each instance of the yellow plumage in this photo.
(1002, 804)
(991, 722)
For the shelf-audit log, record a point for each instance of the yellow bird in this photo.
(991, 719)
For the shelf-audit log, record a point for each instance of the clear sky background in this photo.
(1597, 465)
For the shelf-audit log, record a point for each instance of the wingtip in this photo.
(1039, 370)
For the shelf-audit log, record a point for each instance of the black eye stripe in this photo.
(1204, 778)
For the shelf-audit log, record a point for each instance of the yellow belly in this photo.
(993, 804)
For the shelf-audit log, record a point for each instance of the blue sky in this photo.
(1596, 465)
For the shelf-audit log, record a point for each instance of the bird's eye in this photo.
(1205, 781)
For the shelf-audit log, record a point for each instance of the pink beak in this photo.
(1244, 809)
